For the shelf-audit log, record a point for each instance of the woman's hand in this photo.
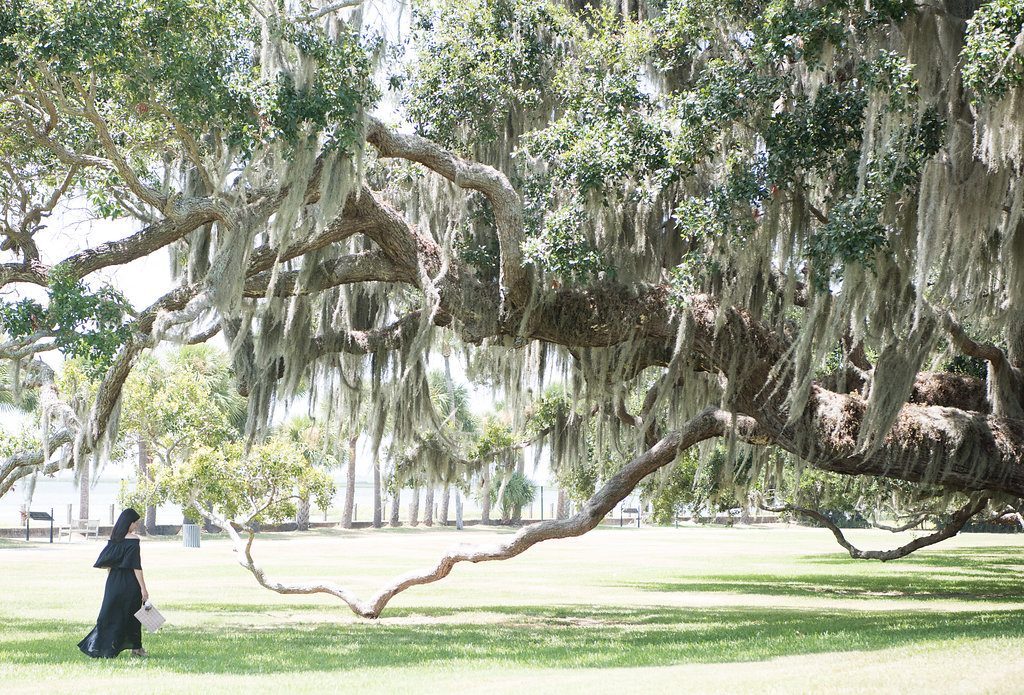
(145, 595)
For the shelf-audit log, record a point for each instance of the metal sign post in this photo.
(39, 516)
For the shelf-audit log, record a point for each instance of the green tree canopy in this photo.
(768, 222)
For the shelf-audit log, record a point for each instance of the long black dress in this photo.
(117, 628)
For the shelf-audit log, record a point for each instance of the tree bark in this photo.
(561, 506)
(149, 524)
(428, 507)
(350, 487)
(378, 503)
(458, 510)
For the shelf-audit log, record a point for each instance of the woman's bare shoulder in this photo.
(131, 537)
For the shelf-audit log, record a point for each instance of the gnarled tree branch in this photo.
(957, 522)
(709, 423)
(505, 202)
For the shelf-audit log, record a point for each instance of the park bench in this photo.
(86, 527)
(631, 511)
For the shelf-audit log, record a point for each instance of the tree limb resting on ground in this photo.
(957, 522)
(712, 422)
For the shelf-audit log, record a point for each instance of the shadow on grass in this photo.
(992, 560)
(966, 574)
(535, 637)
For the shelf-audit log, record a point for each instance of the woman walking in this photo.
(117, 628)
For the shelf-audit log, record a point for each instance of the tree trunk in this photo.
(149, 524)
(458, 510)
(378, 503)
(506, 513)
(302, 513)
(395, 508)
(83, 488)
(517, 513)
(428, 507)
(443, 513)
(350, 489)
(485, 497)
(414, 507)
(561, 507)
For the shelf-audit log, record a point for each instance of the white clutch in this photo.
(150, 617)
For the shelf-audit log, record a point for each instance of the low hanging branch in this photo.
(23, 463)
(957, 522)
(709, 423)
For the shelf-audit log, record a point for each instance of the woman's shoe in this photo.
(140, 652)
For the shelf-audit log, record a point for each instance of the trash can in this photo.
(190, 535)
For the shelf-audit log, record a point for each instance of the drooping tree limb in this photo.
(1008, 513)
(368, 266)
(966, 344)
(348, 223)
(956, 522)
(1006, 381)
(964, 450)
(203, 336)
(709, 423)
(504, 200)
(33, 272)
(391, 337)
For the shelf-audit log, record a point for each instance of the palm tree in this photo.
(14, 398)
(350, 484)
(414, 506)
(428, 507)
(317, 449)
(213, 367)
(378, 501)
(485, 494)
(512, 495)
(453, 402)
(394, 520)
(442, 514)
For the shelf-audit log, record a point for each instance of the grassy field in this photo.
(617, 611)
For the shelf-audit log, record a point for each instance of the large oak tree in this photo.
(794, 225)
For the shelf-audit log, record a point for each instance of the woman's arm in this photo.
(142, 585)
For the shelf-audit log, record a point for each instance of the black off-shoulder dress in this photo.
(117, 628)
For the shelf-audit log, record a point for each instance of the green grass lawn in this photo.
(619, 610)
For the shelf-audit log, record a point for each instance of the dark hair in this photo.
(128, 517)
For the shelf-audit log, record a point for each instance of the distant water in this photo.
(59, 492)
